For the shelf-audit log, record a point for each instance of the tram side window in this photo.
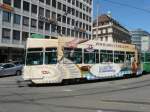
(97, 56)
(142, 57)
(75, 55)
(119, 57)
(91, 57)
(34, 56)
(50, 56)
(129, 55)
(147, 57)
(106, 56)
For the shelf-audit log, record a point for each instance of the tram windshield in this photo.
(50, 56)
(36, 56)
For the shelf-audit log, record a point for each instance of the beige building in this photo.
(107, 29)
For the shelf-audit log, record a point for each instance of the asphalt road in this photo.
(128, 95)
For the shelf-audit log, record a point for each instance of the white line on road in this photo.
(67, 90)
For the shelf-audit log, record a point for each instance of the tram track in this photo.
(44, 99)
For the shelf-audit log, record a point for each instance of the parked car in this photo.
(10, 69)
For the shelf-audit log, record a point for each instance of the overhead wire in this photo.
(127, 5)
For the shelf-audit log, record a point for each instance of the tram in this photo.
(145, 58)
(55, 60)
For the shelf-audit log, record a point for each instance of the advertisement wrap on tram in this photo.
(56, 60)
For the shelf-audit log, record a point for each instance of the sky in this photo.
(130, 18)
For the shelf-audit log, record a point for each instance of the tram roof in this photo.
(79, 43)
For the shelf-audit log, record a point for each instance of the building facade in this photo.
(19, 19)
(136, 37)
(107, 29)
(145, 44)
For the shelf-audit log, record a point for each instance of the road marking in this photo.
(67, 90)
(99, 111)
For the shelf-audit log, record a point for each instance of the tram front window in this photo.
(34, 56)
(51, 56)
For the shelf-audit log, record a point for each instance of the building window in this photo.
(25, 35)
(101, 38)
(47, 13)
(69, 10)
(68, 21)
(69, 1)
(73, 22)
(41, 11)
(110, 30)
(84, 7)
(68, 32)
(41, 1)
(59, 29)
(47, 26)
(34, 8)
(63, 30)
(87, 27)
(33, 23)
(59, 6)
(80, 24)
(81, 15)
(48, 2)
(7, 2)
(77, 13)
(16, 35)
(83, 25)
(26, 6)
(90, 28)
(54, 3)
(59, 17)
(64, 19)
(104, 31)
(106, 38)
(73, 2)
(6, 33)
(77, 23)
(17, 3)
(41, 25)
(90, 19)
(17, 19)
(25, 21)
(53, 28)
(77, 3)
(64, 8)
(6, 16)
(54, 15)
(72, 33)
(80, 5)
(73, 11)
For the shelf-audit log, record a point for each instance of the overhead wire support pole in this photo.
(97, 20)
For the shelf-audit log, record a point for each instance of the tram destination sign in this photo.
(112, 45)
